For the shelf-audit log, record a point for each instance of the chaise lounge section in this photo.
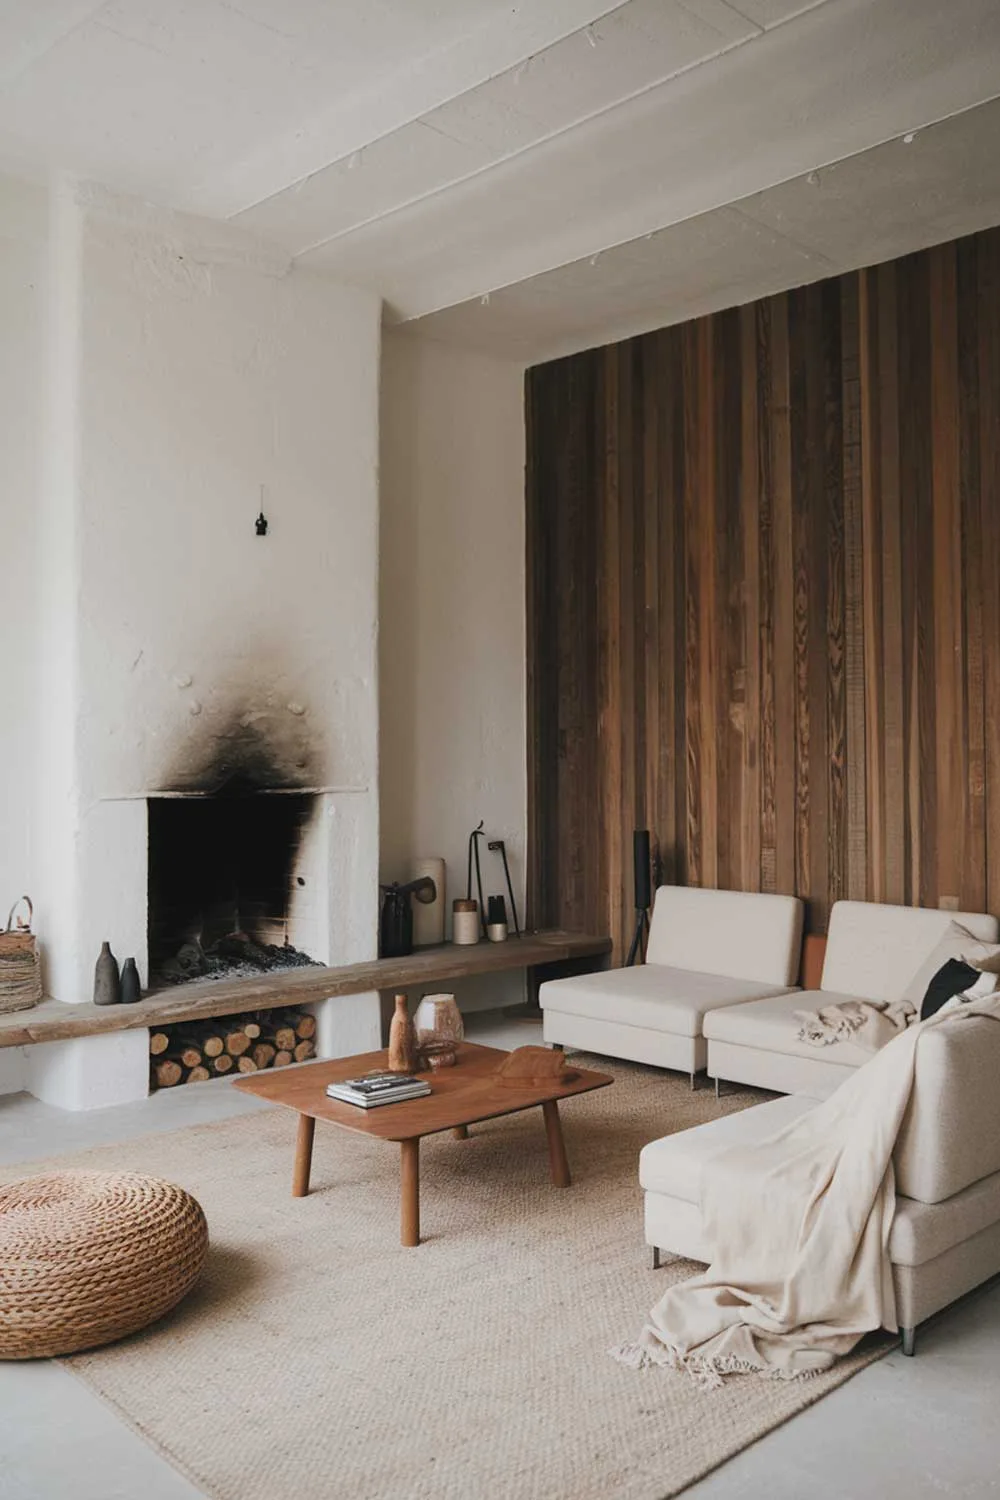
(945, 1238)
(707, 949)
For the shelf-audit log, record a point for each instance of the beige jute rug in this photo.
(320, 1359)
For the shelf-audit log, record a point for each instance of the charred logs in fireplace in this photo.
(235, 956)
(193, 1052)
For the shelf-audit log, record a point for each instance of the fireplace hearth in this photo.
(224, 881)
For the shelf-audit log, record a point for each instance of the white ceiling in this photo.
(441, 150)
(895, 198)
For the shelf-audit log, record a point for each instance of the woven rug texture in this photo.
(317, 1358)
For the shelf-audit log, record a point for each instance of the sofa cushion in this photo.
(770, 1025)
(650, 995)
(873, 950)
(737, 934)
(673, 1164)
(920, 1231)
(950, 1135)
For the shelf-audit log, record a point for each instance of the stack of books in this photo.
(378, 1088)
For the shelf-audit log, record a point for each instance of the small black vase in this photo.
(107, 983)
(131, 989)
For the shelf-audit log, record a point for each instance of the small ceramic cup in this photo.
(465, 922)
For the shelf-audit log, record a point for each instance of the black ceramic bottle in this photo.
(107, 983)
(131, 990)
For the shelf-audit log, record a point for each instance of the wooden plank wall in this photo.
(764, 599)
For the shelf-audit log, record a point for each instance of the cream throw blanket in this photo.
(867, 1023)
(798, 1227)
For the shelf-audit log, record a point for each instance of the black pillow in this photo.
(951, 979)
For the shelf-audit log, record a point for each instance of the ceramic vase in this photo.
(402, 1040)
(131, 989)
(438, 1019)
(107, 983)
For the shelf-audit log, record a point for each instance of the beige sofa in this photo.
(872, 950)
(707, 949)
(945, 1237)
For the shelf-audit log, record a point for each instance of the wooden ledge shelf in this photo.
(57, 1021)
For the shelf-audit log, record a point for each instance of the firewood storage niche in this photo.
(197, 1051)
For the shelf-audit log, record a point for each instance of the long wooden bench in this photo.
(55, 1021)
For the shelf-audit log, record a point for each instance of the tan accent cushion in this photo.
(736, 934)
(650, 995)
(955, 942)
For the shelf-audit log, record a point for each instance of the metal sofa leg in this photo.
(693, 1084)
(656, 1258)
(909, 1341)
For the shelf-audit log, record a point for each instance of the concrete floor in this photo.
(907, 1428)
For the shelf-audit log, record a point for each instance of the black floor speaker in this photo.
(640, 859)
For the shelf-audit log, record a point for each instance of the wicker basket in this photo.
(20, 962)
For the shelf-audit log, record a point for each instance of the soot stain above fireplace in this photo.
(253, 752)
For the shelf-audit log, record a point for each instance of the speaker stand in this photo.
(638, 948)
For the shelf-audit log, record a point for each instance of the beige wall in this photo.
(452, 657)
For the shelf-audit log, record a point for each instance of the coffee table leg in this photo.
(409, 1199)
(461, 1132)
(557, 1146)
(303, 1156)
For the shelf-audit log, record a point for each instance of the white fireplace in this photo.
(192, 380)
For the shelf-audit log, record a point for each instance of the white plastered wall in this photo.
(204, 368)
(179, 366)
(452, 624)
(23, 216)
(23, 234)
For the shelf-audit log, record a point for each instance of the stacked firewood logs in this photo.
(193, 1051)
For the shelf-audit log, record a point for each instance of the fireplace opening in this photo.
(223, 883)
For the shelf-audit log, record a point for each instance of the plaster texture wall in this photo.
(23, 221)
(191, 368)
(452, 632)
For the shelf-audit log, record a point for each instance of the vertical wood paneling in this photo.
(749, 585)
(970, 578)
(854, 641)
(765, 585)
(871, 588)
(833, 494)
(886, 438)
(947, 552)
(986, 314)
(762, 612)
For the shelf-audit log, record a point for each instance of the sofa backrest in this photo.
(873, 949)
(950, 1136)
(736, 934)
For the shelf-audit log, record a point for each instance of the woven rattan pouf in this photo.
(87, 1257)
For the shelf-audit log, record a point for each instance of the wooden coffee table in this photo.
(461, 1096)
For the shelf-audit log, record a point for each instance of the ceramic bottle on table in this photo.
(402, 1040)
(107, 983)
(131, 989)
